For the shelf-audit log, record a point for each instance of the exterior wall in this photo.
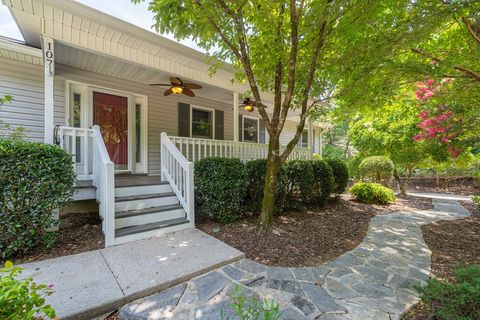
(25, 82)
(162, 111)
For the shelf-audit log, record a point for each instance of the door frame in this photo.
(87, 119)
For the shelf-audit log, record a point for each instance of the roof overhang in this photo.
(17, 50)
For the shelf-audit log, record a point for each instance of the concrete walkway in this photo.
(93, 283)
(373, 281)
(439, 195)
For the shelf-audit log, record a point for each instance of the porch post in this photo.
(235, 122)
(310, 135)
(321, 142)
(49, 65)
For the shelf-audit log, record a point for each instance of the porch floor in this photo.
(93, 283)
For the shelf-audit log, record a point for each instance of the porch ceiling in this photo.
(109, 66)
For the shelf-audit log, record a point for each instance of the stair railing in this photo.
(178, 171)
(104, 181)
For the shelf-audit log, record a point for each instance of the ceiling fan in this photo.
(177, 86)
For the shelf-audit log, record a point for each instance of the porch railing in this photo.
(195, 149)
(92, 162)
(178, 171)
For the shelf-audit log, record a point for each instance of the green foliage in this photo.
(377, 168)
(352, 165)
(251, 307)
(22, 299)
(454, 301)
(220, 188)
(370, 192)
(340, 174)
(300, 183)
(324, 182)
(35, 180)
(476, 200)
(6, 130)
(255, 171)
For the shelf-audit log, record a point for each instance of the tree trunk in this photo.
(401, 185)
(268, 202)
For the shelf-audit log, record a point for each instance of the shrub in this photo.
(255, 171)
(247, 307)
(324, 181)
(454, 301)
(476, 200)
(372, 193)
(219, 188)
(377, 169)
(352, 164)
(300, 183)
(340, 175)
(22, 299)
(35, 180)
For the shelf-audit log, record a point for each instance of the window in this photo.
(250, 129)
(76, 110)
(138, 133)
(202, 123)
(303, 141)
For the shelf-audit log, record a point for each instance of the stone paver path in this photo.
(373, 281)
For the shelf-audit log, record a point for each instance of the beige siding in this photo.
(24, 81)
(162, 111)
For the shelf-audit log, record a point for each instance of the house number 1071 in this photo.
(49, 57)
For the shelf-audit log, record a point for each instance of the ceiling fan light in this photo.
(177, 89)
(248, 107)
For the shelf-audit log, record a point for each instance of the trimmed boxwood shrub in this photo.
(340, 175)
(370, 192)
(324, 181)
(35, 179)
(255, 171)
(377, 169)
(300, 183)
(220, 188)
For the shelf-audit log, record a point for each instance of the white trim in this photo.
(49, 91)
(192, 106)
(243, 128)
(141, 167)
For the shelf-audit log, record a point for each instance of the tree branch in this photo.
(470, 29)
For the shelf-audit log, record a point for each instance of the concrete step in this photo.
(126, 191)
(148, 215)
(122, 232)
(139, 202)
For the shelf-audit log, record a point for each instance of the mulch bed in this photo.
(78, 233)
(464, 187)
(452, 243)
(309, 238)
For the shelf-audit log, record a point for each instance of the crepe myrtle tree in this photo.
(276, 46)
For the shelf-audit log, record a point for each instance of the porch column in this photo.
(310, 135)
(321, 142)
(49, 65)
(235, 122)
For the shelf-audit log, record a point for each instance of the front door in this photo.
(110, 112)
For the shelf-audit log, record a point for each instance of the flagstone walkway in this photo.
(373, 281)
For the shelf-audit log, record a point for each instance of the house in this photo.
(82, 79)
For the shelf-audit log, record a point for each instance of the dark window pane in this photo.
(202, 123)
(250, 130)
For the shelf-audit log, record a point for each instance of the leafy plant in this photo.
(377, 169)
(370, 192)
(251, 307)
(300, 183)
(220, 188)
(459, 300)
(6, 130)
(324, 182)
(22, 299)
(255, 171)
(476, 200)
(35, 180)
(340, 175)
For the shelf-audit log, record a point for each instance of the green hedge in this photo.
(35, 179)
(324, 182)
(220, 189)
(300, 183)
(340, 175)
(377, 169)
(370, 192)
(255, 171)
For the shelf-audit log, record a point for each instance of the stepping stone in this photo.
(209, 286)
(338, 290)
(255, 282)
(308, 274)
(303, 305)
(250, 266)
(373, 290)
(292, 314)
(159, 305)
(372, 273)
(214, 311)
(287, 286)
(279, 273)
(322, 300)
(233, 272)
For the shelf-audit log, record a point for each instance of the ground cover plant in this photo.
(35, 180)
(371, 192)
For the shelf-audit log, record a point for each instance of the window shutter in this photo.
(261, 134)
(219, 125)
(240, 127)
(183, 119)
